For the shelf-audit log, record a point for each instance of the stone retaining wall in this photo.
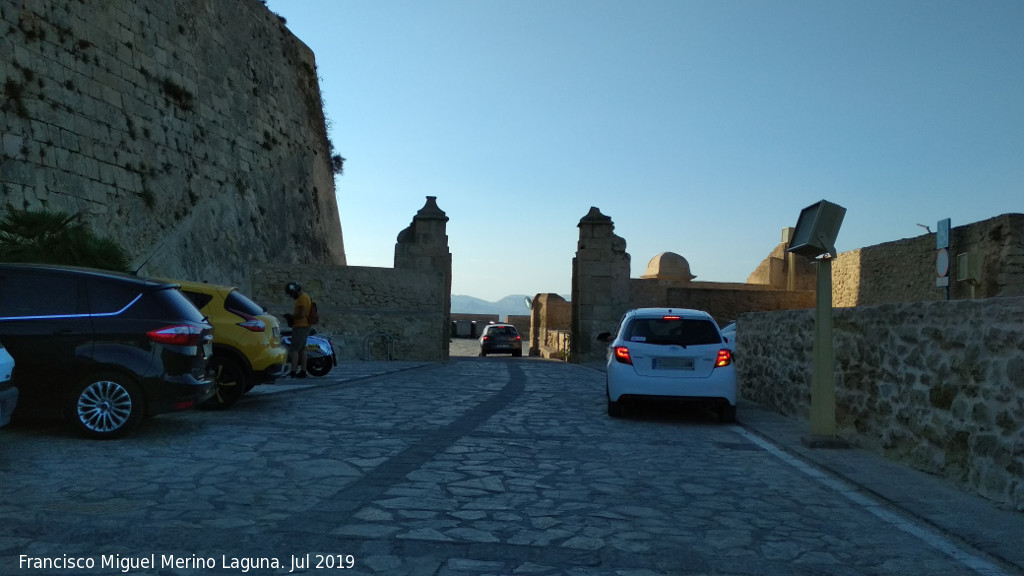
(935, 385)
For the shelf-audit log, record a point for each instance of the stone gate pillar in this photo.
(600, 285)
(423, 246)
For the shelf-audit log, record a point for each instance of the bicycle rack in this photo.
(383, 338)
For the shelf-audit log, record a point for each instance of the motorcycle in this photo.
(320, 355)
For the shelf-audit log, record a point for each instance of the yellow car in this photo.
(247, 347)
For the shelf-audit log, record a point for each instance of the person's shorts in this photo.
(299, 336)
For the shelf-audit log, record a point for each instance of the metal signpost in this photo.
(942, 256)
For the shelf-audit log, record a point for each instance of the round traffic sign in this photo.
(942, 262)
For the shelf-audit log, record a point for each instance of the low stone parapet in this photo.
(936, 385)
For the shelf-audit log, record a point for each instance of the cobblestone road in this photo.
(480, 466)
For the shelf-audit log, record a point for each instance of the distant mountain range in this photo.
(514, 305)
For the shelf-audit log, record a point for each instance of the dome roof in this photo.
(670, 266)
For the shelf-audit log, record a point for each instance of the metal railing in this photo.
(382, 340)
(562, 341)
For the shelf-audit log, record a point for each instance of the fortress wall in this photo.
(905, 270)
(550, 323)
(190, 131)
(357, 304)
(400, 313)
(725, 301)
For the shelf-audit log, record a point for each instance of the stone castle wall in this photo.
(189, 131)
(725, 301)
(936, 385)
(400, 313)
(366, 311)
(550, 322)
(522, 324)
(784, 271)
(905, 270)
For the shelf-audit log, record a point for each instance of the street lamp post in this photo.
(823, 386)
(814, 238)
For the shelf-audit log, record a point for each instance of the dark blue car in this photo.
(101, 349)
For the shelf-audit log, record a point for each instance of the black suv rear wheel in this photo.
(106, 406)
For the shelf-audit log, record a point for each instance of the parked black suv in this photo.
(101, 349)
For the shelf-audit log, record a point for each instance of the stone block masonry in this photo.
(550, 326)
(904, 270)
(189, 131)
(935, 385)
(362, 307)
(400, 313)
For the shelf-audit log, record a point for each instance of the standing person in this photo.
(299, 321)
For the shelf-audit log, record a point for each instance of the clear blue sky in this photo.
(701, 128)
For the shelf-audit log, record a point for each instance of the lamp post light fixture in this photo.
(814, 238)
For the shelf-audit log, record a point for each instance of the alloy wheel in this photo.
(104, 407)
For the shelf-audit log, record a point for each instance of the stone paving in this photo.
(480, 466)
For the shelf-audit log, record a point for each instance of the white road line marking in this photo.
(927, 535)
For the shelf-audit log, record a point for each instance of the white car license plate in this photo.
(672, 363)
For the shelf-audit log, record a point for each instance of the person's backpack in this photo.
(314, 314)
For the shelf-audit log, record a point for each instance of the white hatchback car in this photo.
(670, 353)
(8, 393)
